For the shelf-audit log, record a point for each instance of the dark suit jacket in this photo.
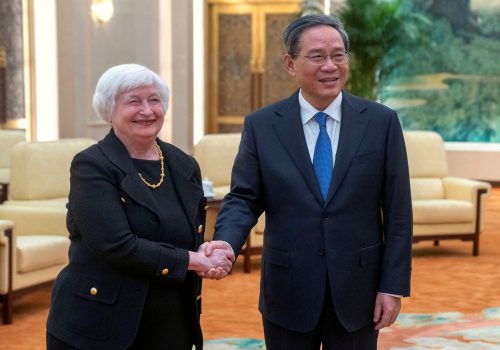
(114, 227)
(359, 241)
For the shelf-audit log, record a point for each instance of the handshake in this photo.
(213, 260)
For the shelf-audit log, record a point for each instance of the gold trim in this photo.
(29, 70)
(231, 120)
(19, 123)
(3, 57)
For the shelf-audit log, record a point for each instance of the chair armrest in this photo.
(6, 256)
(465, 189)
(36, 220)
(4, 226)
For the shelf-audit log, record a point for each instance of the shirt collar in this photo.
(307, 111)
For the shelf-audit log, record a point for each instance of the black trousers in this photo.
(328, 333)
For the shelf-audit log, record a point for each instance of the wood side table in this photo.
(214, 204)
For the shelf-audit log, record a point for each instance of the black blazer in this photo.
(359, 241)
(114, 226)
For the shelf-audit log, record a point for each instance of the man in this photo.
(337, 243)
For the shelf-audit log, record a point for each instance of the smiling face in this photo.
(138, 116)
(320, 83)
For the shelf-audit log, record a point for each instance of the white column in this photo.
(45, 62)
(198, 70)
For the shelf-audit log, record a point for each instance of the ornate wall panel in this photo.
(277, 84)
(235, 49)
(245, 59)
(11, 39)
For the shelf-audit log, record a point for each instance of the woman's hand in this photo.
(217, 265)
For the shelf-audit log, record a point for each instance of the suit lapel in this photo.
(181, 172)
(352, 130)
(116, 152)
(290, 132)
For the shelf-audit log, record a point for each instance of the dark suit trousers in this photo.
(329, 332)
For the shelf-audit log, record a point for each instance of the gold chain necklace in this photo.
(162, 174)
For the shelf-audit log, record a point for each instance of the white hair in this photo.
(122, 78)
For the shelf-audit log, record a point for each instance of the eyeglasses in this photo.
(337, 58)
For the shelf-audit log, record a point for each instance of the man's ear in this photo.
(289, 64)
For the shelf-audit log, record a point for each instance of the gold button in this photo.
(165, 272)
(198, 297)
(200, 229)
(123, 200)
(93, 291)
(206, 207)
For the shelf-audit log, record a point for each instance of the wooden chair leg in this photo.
(7, 298)
(475, 247)
(7, 309)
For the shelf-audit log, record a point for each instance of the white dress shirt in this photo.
(311, 127)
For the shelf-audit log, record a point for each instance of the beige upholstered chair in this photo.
(444, 207)
(8, 139)
(215, 153)
(35, 248)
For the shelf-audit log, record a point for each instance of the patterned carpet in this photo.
(455, 302)
(445, 330)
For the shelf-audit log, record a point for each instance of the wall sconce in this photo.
(102, 10)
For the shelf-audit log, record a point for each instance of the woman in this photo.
(136, 216)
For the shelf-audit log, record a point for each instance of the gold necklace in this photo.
(162, 174)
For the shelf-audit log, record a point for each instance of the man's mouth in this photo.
(329, 80)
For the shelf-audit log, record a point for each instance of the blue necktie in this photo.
(323, 158)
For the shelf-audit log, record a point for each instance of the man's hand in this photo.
(386, 311)
(219, 252)
(209, 247)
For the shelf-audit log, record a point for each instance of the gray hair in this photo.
(123, 78)
(292, 33)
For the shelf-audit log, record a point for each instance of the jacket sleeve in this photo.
(397, 215)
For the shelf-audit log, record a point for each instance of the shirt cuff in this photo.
(393, 295)
(232, 251)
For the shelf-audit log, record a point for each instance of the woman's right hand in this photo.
(217, 264)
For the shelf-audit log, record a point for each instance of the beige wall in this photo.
(86, 49)
(479, 161)
(134, 34)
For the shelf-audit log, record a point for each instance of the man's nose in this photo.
(329, 63)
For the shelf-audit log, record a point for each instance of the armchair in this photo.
(34, 240)
(8, 139)
(215, 153)
(444, 207)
